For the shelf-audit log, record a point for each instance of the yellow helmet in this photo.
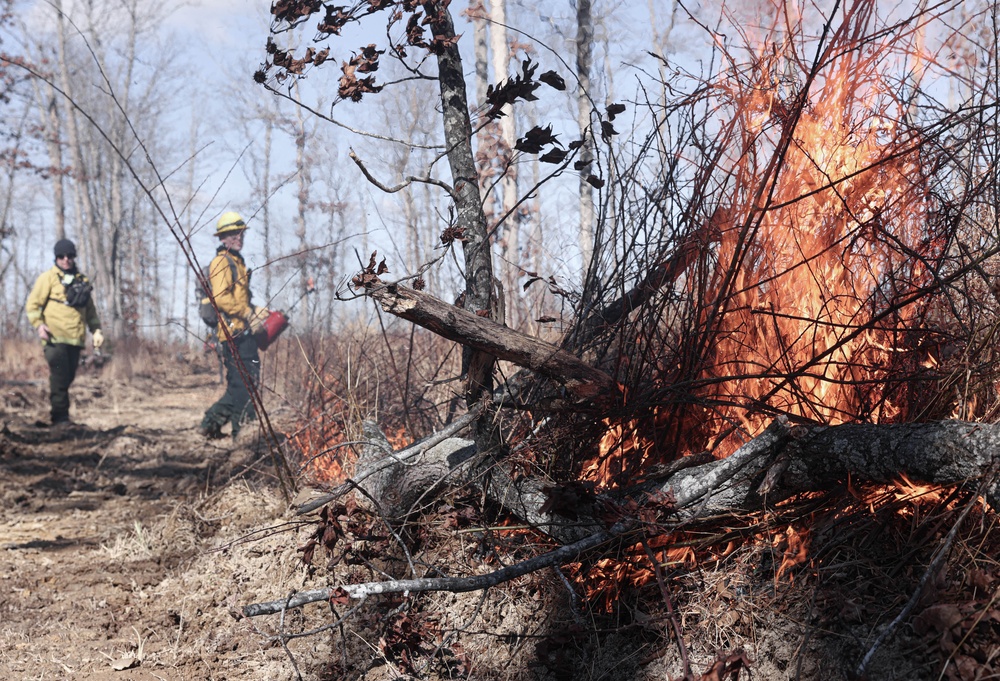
(229, 223)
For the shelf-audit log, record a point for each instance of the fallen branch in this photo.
(946, 453)
(462, 326)
(558, 556)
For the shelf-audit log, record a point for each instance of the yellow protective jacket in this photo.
(47, 305)
(232, 296)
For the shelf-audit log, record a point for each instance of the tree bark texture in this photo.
(395, 491)
(806, 459)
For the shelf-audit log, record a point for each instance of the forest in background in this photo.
(791, 230)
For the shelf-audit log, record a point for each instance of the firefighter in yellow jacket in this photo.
(230, 281)
(61, 308)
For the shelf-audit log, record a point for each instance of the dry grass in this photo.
(21, 360)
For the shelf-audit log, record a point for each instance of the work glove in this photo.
(98, 339)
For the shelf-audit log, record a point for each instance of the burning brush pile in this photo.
(823, 270)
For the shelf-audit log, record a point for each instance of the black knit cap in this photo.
(64, 247)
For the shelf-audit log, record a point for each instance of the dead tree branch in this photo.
(812, 458)
(485, 335)
(558, 556)
(402, 185)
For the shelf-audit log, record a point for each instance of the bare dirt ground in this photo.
(129, 545)
(110, 533)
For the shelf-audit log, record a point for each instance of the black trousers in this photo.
(235, 406)
(63, 360)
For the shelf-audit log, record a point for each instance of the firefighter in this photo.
(61, 308)
(230, 280)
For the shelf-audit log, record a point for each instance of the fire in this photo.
(803, 266)
(795, 332)
(323, 442)
(794, 545)
(603, 581)
(621, 442)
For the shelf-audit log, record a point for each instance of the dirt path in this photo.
(109, 531)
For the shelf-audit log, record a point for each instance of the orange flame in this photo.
(803, 270)
(321, 437)
(796, 549)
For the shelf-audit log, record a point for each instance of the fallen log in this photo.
(819, 457)
(783, 461)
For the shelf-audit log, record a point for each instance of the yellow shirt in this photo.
(47, 305)
(232, 296)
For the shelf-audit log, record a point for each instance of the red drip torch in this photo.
(277, 321)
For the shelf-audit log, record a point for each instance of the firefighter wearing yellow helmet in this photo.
(230, 280)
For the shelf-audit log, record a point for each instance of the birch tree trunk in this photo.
(508, 232)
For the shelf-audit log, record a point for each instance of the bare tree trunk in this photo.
(92, 239)
(49, 115)
(84, 208)
(266, 207)
(304, 182)
(479, 296)
(508, 234)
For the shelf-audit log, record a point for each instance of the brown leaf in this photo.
(595, 181)
(452, 234)
(336, 18)
(535, 139)
(615, 109)
(553, 79)
(521, 86)
(292, 10)
(727, 667)
(339, 597)
(938, 618)
(553, 156)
